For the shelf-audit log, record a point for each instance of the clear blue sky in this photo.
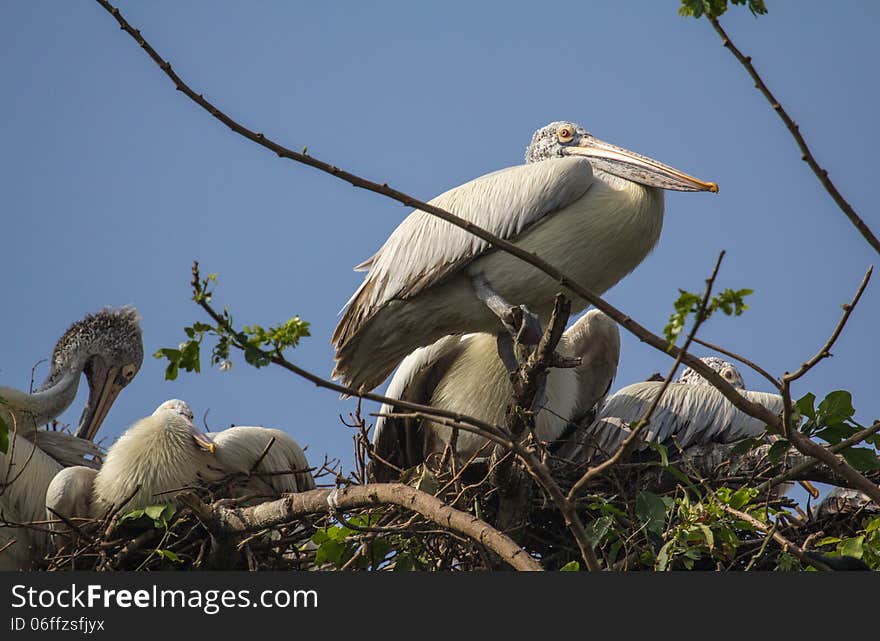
(112, 182)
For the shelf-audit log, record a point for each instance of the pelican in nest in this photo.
(591, 209)
(165, 453)
(108, 349)
(464, 375)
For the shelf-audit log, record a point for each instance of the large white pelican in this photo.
(691, 411)
(107, 348)
(591, 209)
(465, 375)
(166, 452)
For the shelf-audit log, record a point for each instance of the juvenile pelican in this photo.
(464, 375)
(591, 209)
(165, 452)
(691, 411)
(844, 501)
(107, 348)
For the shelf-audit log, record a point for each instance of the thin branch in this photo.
(773, 532)
(805, 466)
(825, 351)
(742, 359)
(295, 506)
(807, 155)
(755, 410)
(624, 447)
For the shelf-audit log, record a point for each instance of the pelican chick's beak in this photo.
(635, 167)
(105, 383)
(202, 440)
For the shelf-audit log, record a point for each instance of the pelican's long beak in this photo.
(635, 167)
(104, 387)
(202, 440)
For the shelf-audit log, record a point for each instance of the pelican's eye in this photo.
(565, 133)
(128, 371)
(727, 374)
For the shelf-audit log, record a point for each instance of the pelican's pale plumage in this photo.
(576, 211)
(165, 452)
(691, 411)
(107, 348)
(464, 375)
(70, 495)
(240, 447)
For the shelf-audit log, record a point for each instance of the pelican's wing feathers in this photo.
(692, 414)
(400, 441)
(424, 249)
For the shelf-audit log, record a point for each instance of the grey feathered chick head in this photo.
(108, 348)
(551, 140)
(725, 369)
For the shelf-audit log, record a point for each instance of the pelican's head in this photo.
(560, 139)
(106, 347)
(176, 415)
(726, 370)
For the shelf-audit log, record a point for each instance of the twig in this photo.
(774, 533)
(742, 359)
(807, 155)
(825, 351)
(295, 506)
(755, 410)
(624, 447)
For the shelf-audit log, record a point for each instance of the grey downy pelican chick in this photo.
(465, 375)
(589, 208)
(107, 348)
(691, 411)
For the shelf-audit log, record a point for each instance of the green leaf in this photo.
(169, 555)
(742, 497)
(835, 407)
(707, 535)
(571, 566)
(778, 450)
(828, 540)
(330, 552)
(852, 547)
(133, 515)
(663, 557)
(805, 405)
(651, 510)
(862, 458)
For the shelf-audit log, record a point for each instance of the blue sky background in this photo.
(113, 182)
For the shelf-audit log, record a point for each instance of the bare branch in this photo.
(295, 506)
(807, 155)
(624, 447)
(752, 409)
(742, 359)
(825, 352)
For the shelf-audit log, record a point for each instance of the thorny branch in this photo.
(807, 155)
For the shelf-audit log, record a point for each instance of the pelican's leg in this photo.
(507, 352)
(522, 324)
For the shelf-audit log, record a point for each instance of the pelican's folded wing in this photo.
(691, 414)
(424, 249)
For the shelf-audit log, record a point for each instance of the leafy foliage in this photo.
(716, 8)
(160, 514)
(730, 301)
(833, 422)
(257, 343)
